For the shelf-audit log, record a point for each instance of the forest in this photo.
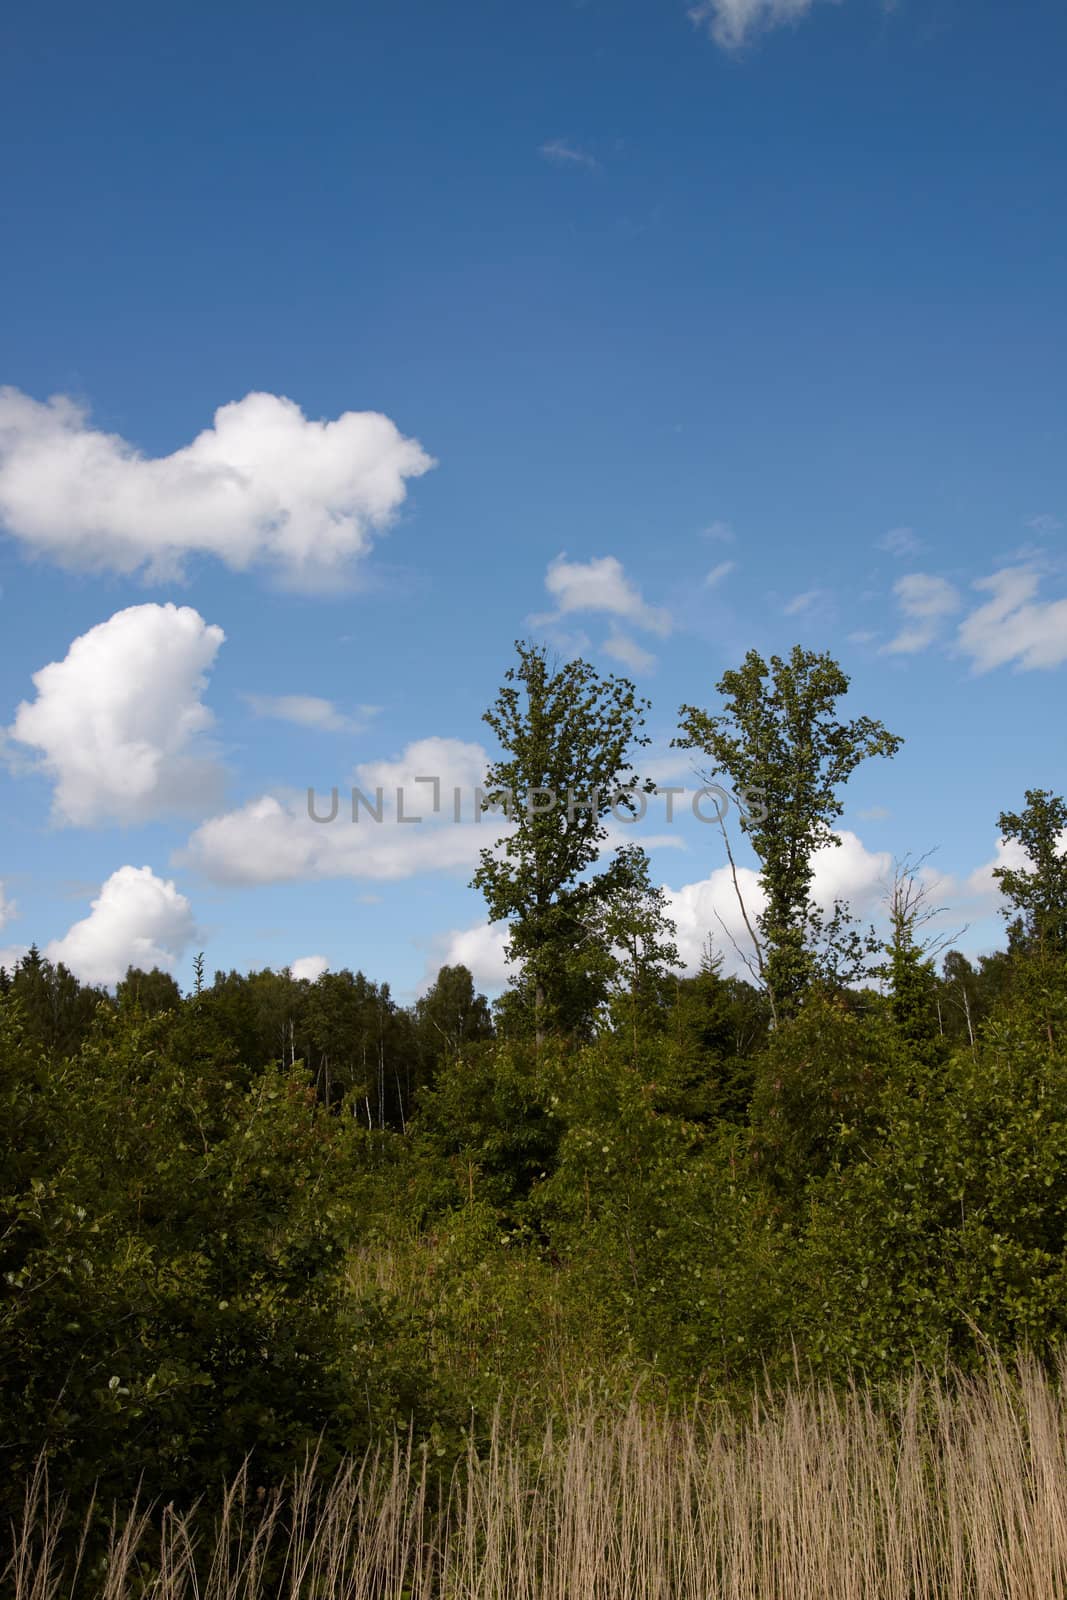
(256, 1232)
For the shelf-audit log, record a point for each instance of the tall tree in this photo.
(565, 736)
(448, 1016)
(1036, 912)
(779, 735)
(1037, 898)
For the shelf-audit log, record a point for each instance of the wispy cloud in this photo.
(565, 154)
(602, 585)
(925, 601)
(309, 711)
(801, 603)
(731, 23)
(721, 532)
(1014, 625)
(899, 542)
(622, 648)
(717, 574)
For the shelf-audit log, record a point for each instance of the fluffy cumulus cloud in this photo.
(1014, 625)
(713, 906)
(309, 967)
(118, 723)
(982, 885)
(984, 888)
(264, 485)
(600, 585)
(275, 840)
(481, 950)
(732, 23)
(137, 920)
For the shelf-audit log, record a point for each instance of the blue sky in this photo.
(764, 289)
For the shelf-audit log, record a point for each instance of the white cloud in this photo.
(846, 871)
(1011, 854)
(732, 22)
(1044, 522)
(8, 908)
(565, 154)
(849, 871)
(480, 949)
(117, 722)
(137, 920)
(717, 574)
(711, 907)
(309, 711)
(981, 882)
(599, 585)
(264, 485)
(862, 636)
(1014, 626)
(457, 763)
(309, 967)
(274, 840)
(622, 648)
(926, 601)
(661, 763)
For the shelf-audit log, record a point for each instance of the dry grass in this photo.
(951, 1491)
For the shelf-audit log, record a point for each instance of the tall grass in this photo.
(951, 1489)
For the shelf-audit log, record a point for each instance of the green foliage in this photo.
(565, 737)
(172, 1247)
(148, 992)
(449, 1016)
(778, 738)
(490, 1118)
(1037, 894)
(57, 1011)
(820, 1088)
(638, 937)
(717, 1026)
(953, 1231)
